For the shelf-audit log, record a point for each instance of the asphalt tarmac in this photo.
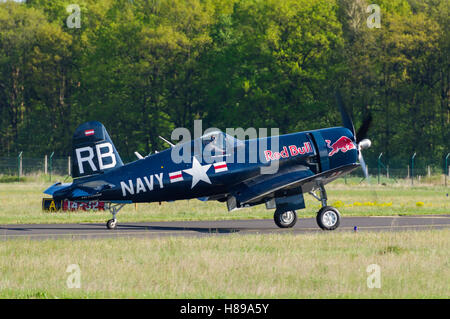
(214, 228)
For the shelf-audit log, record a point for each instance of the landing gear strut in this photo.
(328, 218)
(113, 209)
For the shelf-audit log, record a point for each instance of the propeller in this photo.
(362, 132)
(360, 137)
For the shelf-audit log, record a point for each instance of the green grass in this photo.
(314, 265)
(20, 202)
(11, 179)
(282, 265)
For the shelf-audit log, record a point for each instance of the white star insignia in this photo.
(198, 172)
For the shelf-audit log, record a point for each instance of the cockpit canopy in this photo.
(218, 143)
(213, 146)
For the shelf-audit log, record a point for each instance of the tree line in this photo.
(145, 67)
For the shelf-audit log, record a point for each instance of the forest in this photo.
(146, 67)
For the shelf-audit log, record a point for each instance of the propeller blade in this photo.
(346, 119)
(362, 132)
(363, 164)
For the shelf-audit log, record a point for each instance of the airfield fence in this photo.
(49, 165)
(22, 166)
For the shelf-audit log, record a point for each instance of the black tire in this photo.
(328, 218)
(111, 224)
(283, 221)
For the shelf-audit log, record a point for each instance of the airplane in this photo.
(286, 167)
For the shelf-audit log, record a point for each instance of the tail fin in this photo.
(93, 152)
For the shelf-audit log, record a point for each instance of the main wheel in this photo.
(328, 218)
(111, 224)
(285, 219)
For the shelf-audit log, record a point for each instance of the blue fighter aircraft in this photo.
(219, 167)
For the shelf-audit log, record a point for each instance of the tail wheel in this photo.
(285, 219)
(111, 224)
(328, 218)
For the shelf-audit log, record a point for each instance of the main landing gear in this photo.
(113, 209)
(285, 219)
(328, 218)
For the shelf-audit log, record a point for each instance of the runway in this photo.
(214, 228)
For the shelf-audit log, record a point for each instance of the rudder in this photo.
(93, 152)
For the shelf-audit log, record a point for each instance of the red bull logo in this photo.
(343, 144)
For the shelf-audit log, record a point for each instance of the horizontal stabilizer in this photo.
(57, 187)
(82, 191)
